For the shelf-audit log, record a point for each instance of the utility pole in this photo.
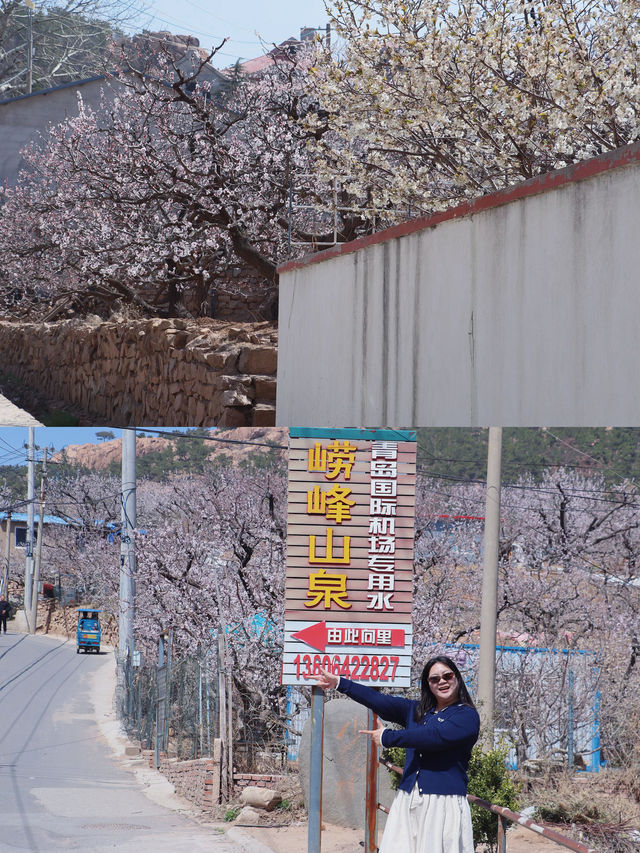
(33, 618)
(30, 6)
(28, 564)
(4, 586)
(126, 642)
(488, 612)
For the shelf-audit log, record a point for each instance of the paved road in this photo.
(11, 415)
(61, 787)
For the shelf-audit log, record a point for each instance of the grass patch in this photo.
(231, 814)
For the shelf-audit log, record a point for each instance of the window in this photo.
(21, 537)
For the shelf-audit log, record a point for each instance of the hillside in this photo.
(461, 453)
(156, 454)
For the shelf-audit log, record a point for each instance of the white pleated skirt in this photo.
(428, 823)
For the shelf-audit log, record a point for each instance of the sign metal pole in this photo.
(314, 841)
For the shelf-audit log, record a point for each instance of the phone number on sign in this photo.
(361, 667)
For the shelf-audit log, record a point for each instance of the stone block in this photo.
(231, 417)
(344, 764)
(177, 339)
(265, 387)
(263, 415)
(248, 817)
(235, 397)
(222, 359)
(258, 360)
(261, 798)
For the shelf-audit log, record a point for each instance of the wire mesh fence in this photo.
(172, 707)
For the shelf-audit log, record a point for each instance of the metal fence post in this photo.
(503, 823)
(371, 823)
(595, 739)
(570, 722)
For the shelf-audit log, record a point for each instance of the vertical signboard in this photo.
(350, 533)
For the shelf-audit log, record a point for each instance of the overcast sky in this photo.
(244, 22)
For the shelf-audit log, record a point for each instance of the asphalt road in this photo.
(62, 787)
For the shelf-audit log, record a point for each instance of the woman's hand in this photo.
(327, 680)
(375, 734)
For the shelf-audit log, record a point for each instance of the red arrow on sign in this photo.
(317, 636)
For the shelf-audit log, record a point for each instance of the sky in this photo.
(244, 22)
(14, 439)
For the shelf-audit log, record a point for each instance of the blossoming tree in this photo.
(211, 558)
(435, 101)
(169, 182)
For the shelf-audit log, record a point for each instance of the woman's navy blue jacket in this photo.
(438, 747)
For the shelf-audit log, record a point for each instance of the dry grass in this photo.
(602, 808)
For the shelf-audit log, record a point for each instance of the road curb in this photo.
(246, 841)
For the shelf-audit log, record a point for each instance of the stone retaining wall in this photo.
(239, 294)
(146, 372)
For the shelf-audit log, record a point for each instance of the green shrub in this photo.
(231, 814)
(488, 779)
(395, 755)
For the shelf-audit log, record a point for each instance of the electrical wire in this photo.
(169, 434)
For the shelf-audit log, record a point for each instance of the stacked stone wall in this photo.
(147, 372)
(237, 294)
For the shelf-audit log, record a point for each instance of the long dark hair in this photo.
(427, 699)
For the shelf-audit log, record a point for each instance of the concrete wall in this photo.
(518, 309)
(23, 118)
(170, 372)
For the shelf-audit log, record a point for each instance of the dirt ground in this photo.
(608, 794)
(336, 839)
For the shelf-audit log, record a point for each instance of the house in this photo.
(26, 117)
(16, 522)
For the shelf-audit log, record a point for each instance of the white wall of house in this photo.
(22, 119)
(519, 309)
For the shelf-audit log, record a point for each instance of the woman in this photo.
(430, 813)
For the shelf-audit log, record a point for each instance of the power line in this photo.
(169, 434)
(583, 494)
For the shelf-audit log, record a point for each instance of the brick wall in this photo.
(197, 781)
(258, 780)
(146, 372)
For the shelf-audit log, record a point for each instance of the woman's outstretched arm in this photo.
(395, 709)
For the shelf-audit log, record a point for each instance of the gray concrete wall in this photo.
(518, 309)
(22, 119)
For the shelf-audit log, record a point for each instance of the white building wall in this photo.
(519, 313)
(25, 119)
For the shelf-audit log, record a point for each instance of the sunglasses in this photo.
(446, 676)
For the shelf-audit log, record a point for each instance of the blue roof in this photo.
(22, 516)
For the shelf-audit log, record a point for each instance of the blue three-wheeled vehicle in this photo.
(88, 634)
